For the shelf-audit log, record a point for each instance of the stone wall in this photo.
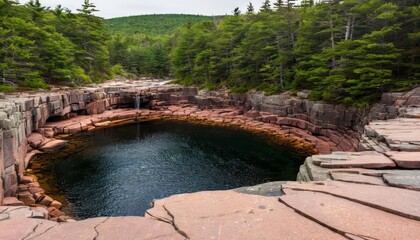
(341, 124)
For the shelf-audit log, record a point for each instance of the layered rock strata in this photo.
(354, 185)
(22, 114)
(317, 210)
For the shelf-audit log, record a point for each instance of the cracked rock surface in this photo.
(315, 210)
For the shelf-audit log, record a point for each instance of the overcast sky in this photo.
(118, 8)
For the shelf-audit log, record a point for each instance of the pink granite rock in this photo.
(231, 215)
(53, 145)
(81, 230)
(369, 159)
(46, 201)
(35, 140)
(24, 228)
(56, 204)
(406, 159)
(12, 201)
(357, 178)
(136, 228)
(348, 217)
(371, 195)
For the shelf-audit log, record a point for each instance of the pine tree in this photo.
(266, 6)
(236, 12)
(250, 8)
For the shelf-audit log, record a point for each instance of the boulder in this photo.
(12, 201)
(53, 145)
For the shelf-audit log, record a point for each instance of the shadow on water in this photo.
(118, 171)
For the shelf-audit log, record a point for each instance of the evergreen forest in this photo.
(346, 51)
(41, 46)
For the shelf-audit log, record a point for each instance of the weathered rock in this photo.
(26, 198)
(12, 201)
(26, 228)
(357, 178)
(53, 145)
(409, 180)
(266, 189)
(231, 215)
(370, 195)
(368, 159)
(405, 159)
(56, 204)
(348, 217)
(136, 228)
(46, 201)
(35, 140)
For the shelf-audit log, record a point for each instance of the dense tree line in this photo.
(150, 25)
(140, 45)
(347, 51)
(40, 46)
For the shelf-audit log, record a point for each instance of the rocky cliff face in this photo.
(24, 113)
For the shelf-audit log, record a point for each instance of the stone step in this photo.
(303, 174)
(374, 144)
(316, 173)
(367, 159)
(411, 112)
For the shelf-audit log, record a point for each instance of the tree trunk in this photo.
(332, 42)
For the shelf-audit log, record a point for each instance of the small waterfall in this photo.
(137, 102)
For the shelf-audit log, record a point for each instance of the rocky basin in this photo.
(365, 184)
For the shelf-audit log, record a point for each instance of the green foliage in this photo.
(151, 25)
(7, 88)
(40, 46)
(344, 51)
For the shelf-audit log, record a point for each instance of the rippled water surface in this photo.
(124, 168)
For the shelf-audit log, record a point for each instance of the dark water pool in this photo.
(122, 169)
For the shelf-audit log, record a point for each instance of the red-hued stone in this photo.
(53, 145)
(136, 228)
(231, 215)
(346, 216)
(395, 200)
(24, 228)
(406, 159)
(35, 140)
(12, 201)
(357, 178)
(354, 160)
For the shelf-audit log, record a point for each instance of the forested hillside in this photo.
(347, 51)
(42, 46)
(141, 44)
(157, 24)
